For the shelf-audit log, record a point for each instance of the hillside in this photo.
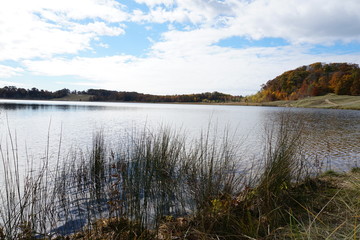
(330, 100)
(316, 79)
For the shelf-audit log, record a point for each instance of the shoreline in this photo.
(329, 101)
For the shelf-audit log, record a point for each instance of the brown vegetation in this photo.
(312, 80)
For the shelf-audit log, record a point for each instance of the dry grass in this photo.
(326, 101)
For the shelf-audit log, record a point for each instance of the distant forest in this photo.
(11, 92)
(312, 80)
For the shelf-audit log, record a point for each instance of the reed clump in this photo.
(161, 186)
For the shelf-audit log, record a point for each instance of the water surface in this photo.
(333, 136)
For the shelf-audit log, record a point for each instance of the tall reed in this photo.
(148, 177)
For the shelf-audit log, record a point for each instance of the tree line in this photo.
(106, 95)
(11, 92)
(313, 80)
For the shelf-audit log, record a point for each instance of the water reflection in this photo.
(45, 107)
(333, 136)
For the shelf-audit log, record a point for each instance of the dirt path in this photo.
(343, 104)
(330, 102)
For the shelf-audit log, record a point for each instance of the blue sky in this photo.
(170, 46)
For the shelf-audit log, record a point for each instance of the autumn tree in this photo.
(312, 80)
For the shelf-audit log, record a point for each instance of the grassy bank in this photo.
(327, 101)
(164, 186)
(331, 101)
(74, 97)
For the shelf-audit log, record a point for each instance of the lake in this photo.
(333, 136)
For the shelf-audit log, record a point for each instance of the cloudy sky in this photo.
(170, 46)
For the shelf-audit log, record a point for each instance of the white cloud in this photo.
(103, 45)
(183, 61)
(189, 61)
(307, 21)
(107, 10)
(43, 28)
(152, 3)
(97, 28)
(235, 71)
(187, 43)
(199, 12)
(7, 72)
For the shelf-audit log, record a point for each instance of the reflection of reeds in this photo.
(147, 178)
(142, 188)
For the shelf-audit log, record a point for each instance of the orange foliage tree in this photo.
(312, 80)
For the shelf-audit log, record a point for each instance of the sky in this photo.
(170, 46)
